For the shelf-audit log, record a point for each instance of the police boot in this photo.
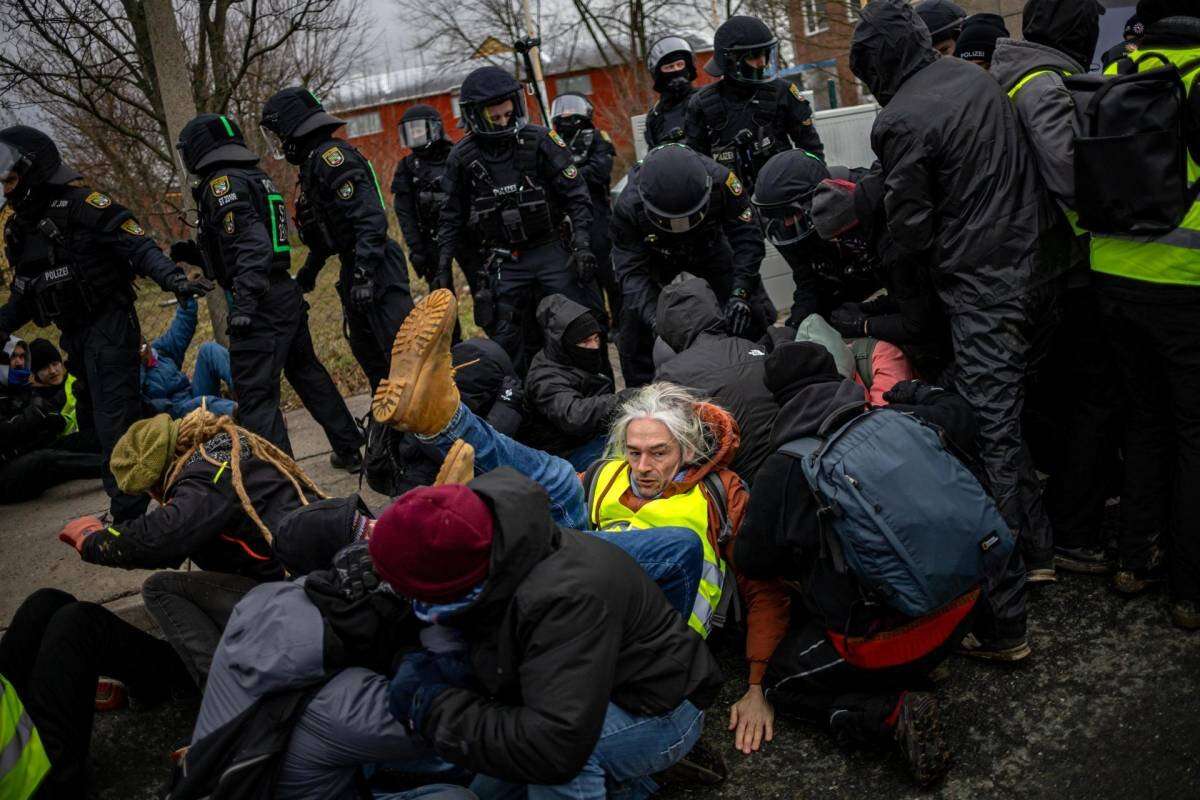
(419, 394)
(458, 466)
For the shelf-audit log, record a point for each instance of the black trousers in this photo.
(103, 355)
(192, 609)
(279, 342)
(371, 330)
(27, 476)
(1157, 349)
(53, 653)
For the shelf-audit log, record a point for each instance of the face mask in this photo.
(585, 359)
(678, 85)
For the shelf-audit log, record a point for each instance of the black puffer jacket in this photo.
(566, 624)
(961, 188)
(569, 405)
(721, 367)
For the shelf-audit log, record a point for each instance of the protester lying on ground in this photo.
(54, 650)
(704, 357)
(166, 387)
(874, 365)
(570, 686)
(41, 445)
(570, 394)
(845, 663)
(667, 465)
(488, 384)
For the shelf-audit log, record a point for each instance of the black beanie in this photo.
(42, 354)
(794, 364)
(309, 537)
(978, 38)
(581, 327)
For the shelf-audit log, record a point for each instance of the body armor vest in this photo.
(509, 206)
(271, 209)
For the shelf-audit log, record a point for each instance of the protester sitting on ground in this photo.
(51, 655)
(488, 384)
(704, 357)
(667, 465)
(570, 393)
(845, 663)
(165, 386)
(223, 491)
(581, 676)
(41, 445)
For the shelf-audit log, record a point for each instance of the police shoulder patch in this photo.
(132, 227)
(333, 157)
(571, 172)
(219, 186)
(228, 223)
(746, 215)
(735, 186)
(558, 140)
(98, 200)
(795, 90)
(346, 190)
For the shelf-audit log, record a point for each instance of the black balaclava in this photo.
(581, 328)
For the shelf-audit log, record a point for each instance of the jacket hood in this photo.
(686, 310)
(811, 405)
(274, 639)
(1013, 60)
(482, 381)
(890, 45)
(554, 314)
(1071, 26)
(724, 430)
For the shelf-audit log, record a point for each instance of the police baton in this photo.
(526, 47)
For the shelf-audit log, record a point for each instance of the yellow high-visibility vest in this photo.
(23, 759)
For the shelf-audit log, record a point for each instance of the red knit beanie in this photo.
(434, 543)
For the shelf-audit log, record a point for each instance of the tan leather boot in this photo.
(419, 394)
(458, 466)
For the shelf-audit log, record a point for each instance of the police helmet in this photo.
(675, 188)
(421, 126)
(570, 113)
(740, 38)
(211, 139)
(33, 158)
(783, 194)
(291, 114)
(490, 86)
(668, 50)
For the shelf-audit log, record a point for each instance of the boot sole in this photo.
(925, 747)
(1041, 575)
(1185, 621)
(1137, 587)
(1067, 564)
(431, 319)
(1010, 656)
(459, 465)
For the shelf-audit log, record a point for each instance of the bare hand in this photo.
(753, 719)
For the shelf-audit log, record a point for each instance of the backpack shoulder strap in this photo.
(863, 349)
(800, 448)
(716, 490)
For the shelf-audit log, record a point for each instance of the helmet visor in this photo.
(420, 132)
(274, 142)
(795, 226)
(12, 160)
(670, 45)
(499, 117)
(678, 223)
(566, 105)
(756, 63)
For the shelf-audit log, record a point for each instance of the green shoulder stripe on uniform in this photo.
(375, 178)
(228, 127)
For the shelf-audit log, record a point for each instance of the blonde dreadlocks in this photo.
(202, 425)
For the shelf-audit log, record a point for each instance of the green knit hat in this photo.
(143, 454)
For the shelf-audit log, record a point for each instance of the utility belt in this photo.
(60, 294)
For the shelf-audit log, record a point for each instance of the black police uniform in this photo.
(726, 249)
(741, 126)
(341, 212)
(243, 236)
(73, 264)
(419, 197)
(516, 192)
(666, 121)
(593, 153)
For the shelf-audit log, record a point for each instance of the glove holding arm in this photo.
(849, 320)
(585, 265)
(737, 313)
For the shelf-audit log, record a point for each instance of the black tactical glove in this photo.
(239, 322)
(585, 266)
(737, 315)
(183, 288)
(306, 279)
(444, 278)
(362, 290)
(186, 251)
(419, 261)
(912, 393)
(849, 320)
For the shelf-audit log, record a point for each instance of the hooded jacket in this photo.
(960, 187)
(566, 624)
(724, 368)
(164, 382)
(571, 406)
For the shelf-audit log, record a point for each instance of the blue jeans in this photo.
(672, 557)
(630, 750)
(212, 368)
(434, 791)
(493, 450)
(582, 457)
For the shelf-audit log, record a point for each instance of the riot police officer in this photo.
(593, 152)
(826, 273)
(672, 63)
(418, 196)
(683, 212)
(748, 116)
(515, 184)
(74, 253)
(243, 243)
(340, 211)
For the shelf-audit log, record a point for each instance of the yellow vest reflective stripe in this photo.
(68, 412)
(23, 759)
(1174, 257)
(687, 510)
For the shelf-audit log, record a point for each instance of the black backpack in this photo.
(1131, 154)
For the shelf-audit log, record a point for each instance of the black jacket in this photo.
(570, 405)
(30, 419)
(418, 197)
(566, 624)
(724, 368)
(202, 519)
(961, 189)
(666, 119)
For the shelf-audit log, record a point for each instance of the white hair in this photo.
(673, 406)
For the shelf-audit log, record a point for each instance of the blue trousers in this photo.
(212, 368)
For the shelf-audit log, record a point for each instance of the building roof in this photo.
(426, 79)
